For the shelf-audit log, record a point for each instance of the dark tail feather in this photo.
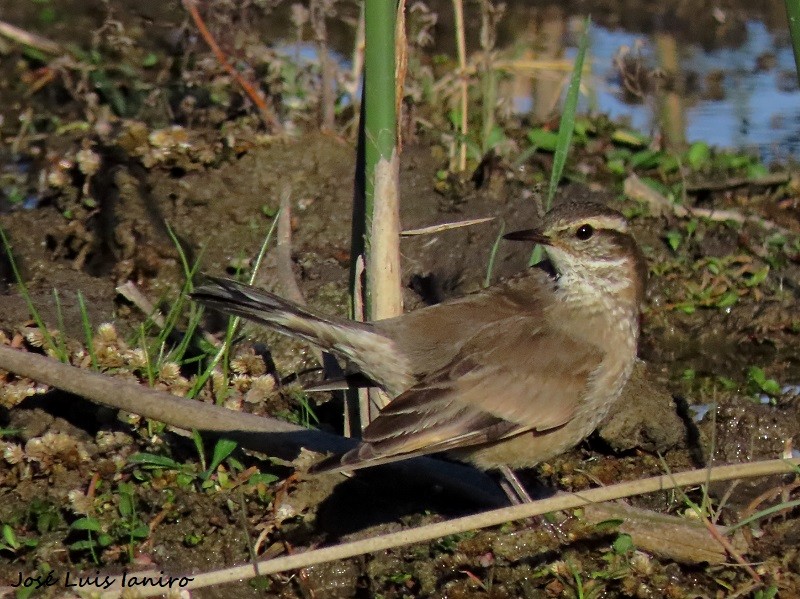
(373, 353)
(239, 299)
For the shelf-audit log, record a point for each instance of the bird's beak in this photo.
(534, 235)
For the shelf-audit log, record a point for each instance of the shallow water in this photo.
(760, 109)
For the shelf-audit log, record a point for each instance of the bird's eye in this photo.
(584, 232)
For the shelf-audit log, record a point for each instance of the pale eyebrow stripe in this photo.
(601, 222)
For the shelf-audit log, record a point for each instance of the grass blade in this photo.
(87, 330)
(566, 127)
(37, 318)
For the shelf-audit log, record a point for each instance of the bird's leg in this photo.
(517, 494)
(512, 487)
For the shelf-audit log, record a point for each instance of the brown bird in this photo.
(506, 377)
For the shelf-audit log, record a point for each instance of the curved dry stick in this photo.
(260, 433)
(483, 520)
(27, 38)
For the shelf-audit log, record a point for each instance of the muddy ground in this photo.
(720, 343)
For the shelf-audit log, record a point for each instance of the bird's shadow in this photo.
(382, 495)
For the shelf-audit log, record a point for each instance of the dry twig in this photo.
(266, 114)
(26, 38)
(430, 532)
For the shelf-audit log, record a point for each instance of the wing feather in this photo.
(506, 380)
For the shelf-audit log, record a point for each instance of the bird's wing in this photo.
(505, 381)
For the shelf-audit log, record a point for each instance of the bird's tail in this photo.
(373, 353)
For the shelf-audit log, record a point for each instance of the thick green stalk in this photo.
(379, 92)
(380, 138)
(376, 214)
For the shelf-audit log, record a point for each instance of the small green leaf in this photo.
(616, 166)
(758, 277)
(669, 164)
(141, 532)
(86, 544)
(756, 171)
(543, 139)
(607, 525)
(496, 137)
(222, 449)
(674, 239)
(153, 461)
(126, 505)
(47, 521)
(727, 300)
(629, 138)
(646, 159)
(198, 445)
(699, 155)
(623, 544)
(536, 256)
(757, 376)
(184, 479)
(86, 524)
(771, 387)
(10, 538)
(35, 54)
(259, 478)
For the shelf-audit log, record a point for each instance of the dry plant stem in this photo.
(537, 68)
(283, 249)
(771, 180)
(461, 46)
(483, 520)
(284, 440)
(445, 227)
(383, 259)
(131, 292)
(29, 39)
(358, 308)
(266, 114)
(318, 9)
(770, 495)
(170, 409)
(383, 267)
(714, 531)
(539, 65)
(358, 63)
(659, 204)
(401, 67)
(489, 18)
(679, 539)
(288, 281)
